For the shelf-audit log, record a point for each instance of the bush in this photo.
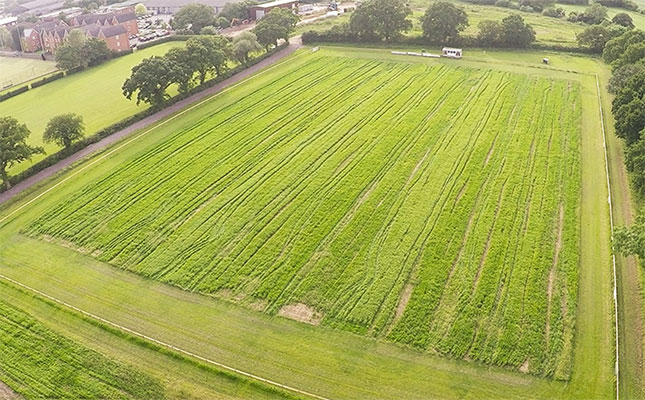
(14, 92)
(553, 12)
(47, 79)
(504, 3)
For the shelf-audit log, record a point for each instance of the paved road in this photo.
(64, 163)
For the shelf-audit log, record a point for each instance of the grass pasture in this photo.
(95, 94)
(16, 70)
(325, 215)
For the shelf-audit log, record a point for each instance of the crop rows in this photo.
(38, 363)
(429, 205)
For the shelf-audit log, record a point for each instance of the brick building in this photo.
(114, 28)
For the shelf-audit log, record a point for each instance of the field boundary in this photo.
(163, 344)
(611, 225)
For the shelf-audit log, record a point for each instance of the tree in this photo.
(281, 17)
(620, 76)
(13, 146)
(140, 9)
(443, 21)
(623, 19)
(233, 10)
(594, 37)
(96, 51)
(183, 68)
(222, 22)
(553, 12)
(635, 162)
(631, 240)
(64, 130)
(193, 16)
(72, 53)
(269, 34)
(6, 39)
(489, 32)
(629, 109)
(594, 14)
(208, 30)
(149, 80)
(380, 19)
(243, 44)
(208, 54)
(617, 47)
(516, 33)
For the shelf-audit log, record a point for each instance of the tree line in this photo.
(203, 56)
(442, 23)
(626, 56)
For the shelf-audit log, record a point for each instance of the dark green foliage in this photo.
(39, 363)
(593, 37)
(631, 240)
(615, 49)
(13, 92)
(13, 146)
(443, 21)
(193, 17)
(593, 15)
(277, 24)
(623, 19)
(629, 108)
(554, 12)
(149, 80)
(380, 19)
(47, 79)
(79, 52)
(64, 130)
(233, 10)
(621, 75)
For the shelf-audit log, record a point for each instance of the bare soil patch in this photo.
(301, 312)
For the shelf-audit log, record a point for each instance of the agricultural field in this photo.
(90, 93)
(381, 223)
(16, 70)
(452, 210)
(27, 351)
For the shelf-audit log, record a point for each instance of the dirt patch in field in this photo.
(6, 393)
(67, 244)
(403, 303)
(301, 312)
(524, 368)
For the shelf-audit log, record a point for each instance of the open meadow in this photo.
(16, 70)
(421, 217)
(95, 94)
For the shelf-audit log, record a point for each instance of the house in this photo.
(451, 52)
(258, 11)
(115, 36)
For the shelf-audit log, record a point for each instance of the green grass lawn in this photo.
(16, 70)
(95, 94)
(322, 360)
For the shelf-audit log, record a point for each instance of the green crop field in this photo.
(28, 351)
(430, 205)
(429, 221)
(16, 70)
(95, 94)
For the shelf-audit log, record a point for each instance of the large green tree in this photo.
(617, 47)
(443, 21)
(244, 44)
(72, 53)
(208, 54)
(629, 109)
(380, 19)
(193, 17)
(594, 37)
(515, 32)
(234, 10)
(623, 19)
(149, 80)
(64, 130)
(13, 146)
(489, 32)
(278, 24)
(183, 67)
